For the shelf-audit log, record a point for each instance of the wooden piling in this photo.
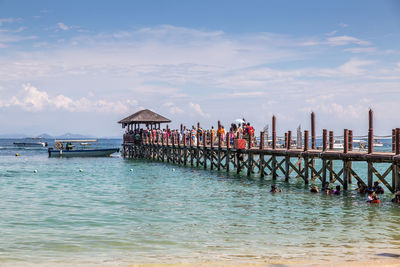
(331, 140)
(350, 163)
(204, 150)
(345, 165)
(289, 140)
(393, 140)
(313, 130)
(261, 140)
(228, 151)
(306, 138)
(286, 142)
(350, 148)
(370, 133)
(191, 149)
(324, 148)
(273, 132)
(305, 157)
(397, 141)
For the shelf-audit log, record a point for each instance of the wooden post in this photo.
(395, 173)
(350, 140)
(191, 149)
(184, 149)
(261, 164)
(286, 140)
(198, 146)
(205, 150)
(261, 156)
(228, 152)
(306, 162)
(249, 161)
(249, 142)
(238, 162)
(273, 132)
(350, 164)
(324, 148)
(345, 164)
(261, 140)
(393, 140)
(219, 141)
(173, 146)
(370, 173)
(331, 140)
(312, 130)
(306, 140)
(371, 133)
(211, 140)
(274, 166)
(289, 140)
(323, 171)
(178, 138)
(397, 141)
(346, 141)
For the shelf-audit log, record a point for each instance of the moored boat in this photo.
(69, 149)
(101, 152)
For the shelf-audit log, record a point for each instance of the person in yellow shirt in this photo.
(212, 132)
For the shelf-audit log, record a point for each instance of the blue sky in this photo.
(80, 66)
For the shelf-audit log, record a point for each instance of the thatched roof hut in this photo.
(147, 117)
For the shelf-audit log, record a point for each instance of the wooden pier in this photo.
(310, 164)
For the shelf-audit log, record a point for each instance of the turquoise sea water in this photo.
(107, 214)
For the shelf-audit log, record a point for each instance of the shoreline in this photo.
(386, 260)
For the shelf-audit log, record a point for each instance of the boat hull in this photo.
(82, 152)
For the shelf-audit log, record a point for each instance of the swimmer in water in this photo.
(337, 191)
(314, 189)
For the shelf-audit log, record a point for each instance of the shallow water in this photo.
(164, 213)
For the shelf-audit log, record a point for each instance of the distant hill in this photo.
(45, 136)
(48, 136)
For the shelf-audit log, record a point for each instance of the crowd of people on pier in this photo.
(194, 135)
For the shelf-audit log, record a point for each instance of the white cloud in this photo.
(353, 67)
(172, 108)
(62, 26)
(360, 49)
(331, 33)
(335, 41)
(34, 100)
(9, 20)
(196, 107)
(343, 25)
(345, 40)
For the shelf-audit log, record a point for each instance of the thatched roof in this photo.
(144, 116)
